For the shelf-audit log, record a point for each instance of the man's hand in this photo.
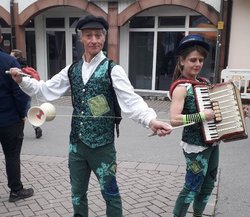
(16, 74)
(160, 128)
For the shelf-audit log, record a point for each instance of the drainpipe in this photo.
(228, 30)
(12, 25)
(223, 39)
(218, 47)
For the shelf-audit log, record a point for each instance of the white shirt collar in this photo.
(89, 68)
(98, 58)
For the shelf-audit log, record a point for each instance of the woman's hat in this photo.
(191, 40)
(91, 22)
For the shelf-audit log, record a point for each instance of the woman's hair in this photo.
(19, 56)
(183, 55)
(17, 53)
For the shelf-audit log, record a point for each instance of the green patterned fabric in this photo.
(200, 178)
(192, 134)
(93, 107)
(84, 160)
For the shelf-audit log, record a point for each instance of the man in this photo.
(92, 135)
(13, 103)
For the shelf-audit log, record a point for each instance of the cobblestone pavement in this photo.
(147, 189)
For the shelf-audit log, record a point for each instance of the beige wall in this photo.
(239, 49)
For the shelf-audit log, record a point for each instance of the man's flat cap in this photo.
(91, 22)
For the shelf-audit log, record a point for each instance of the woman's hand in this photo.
(209, 114)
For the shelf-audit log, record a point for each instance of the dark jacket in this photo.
(13, 101)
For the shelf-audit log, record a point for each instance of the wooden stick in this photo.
(20, 72)
(184, 125)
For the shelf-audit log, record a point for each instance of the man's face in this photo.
(93, 41)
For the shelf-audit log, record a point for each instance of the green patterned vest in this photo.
(192, 134)
(93, 107)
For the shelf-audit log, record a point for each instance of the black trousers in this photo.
(11, 139)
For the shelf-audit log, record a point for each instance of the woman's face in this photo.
(192, 64)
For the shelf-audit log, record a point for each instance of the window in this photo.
(141, 59)
(152, 56)
(55, 23)
(167, 42)
(171, 22)
(56, 57)
(142, 22)
(200, 22)
(73, 21)
(31, 48)
(30, 24)
(3, 23)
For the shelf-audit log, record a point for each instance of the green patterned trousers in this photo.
(102, 161)
(201, 172)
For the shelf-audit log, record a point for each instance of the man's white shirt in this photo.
(132, 105)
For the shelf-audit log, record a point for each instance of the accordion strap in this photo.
(202, 81)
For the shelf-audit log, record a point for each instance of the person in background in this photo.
(13, 106)
(92, 145)
(34, 74)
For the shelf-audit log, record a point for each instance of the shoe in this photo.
(22, 194)
(39, 132)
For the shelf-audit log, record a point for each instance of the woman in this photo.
(201, 159)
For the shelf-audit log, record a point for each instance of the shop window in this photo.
(56, 57)
(3, 23)
(30, 24)
(77, 48)
(142, 22)
(141, 59)
(203, 22)
(73, 21)
(172, 22)
(167, 42)
(6, 42)
(200, 22)
(55, 23)
(167, 37)
(31, 48)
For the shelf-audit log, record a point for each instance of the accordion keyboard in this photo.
(204, 102)
(231, 120)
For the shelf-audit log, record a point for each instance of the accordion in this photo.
(229, 123)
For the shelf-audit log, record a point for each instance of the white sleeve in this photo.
(131, 103)
(49, 90)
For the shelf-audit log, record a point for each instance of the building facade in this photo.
(142, 37)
